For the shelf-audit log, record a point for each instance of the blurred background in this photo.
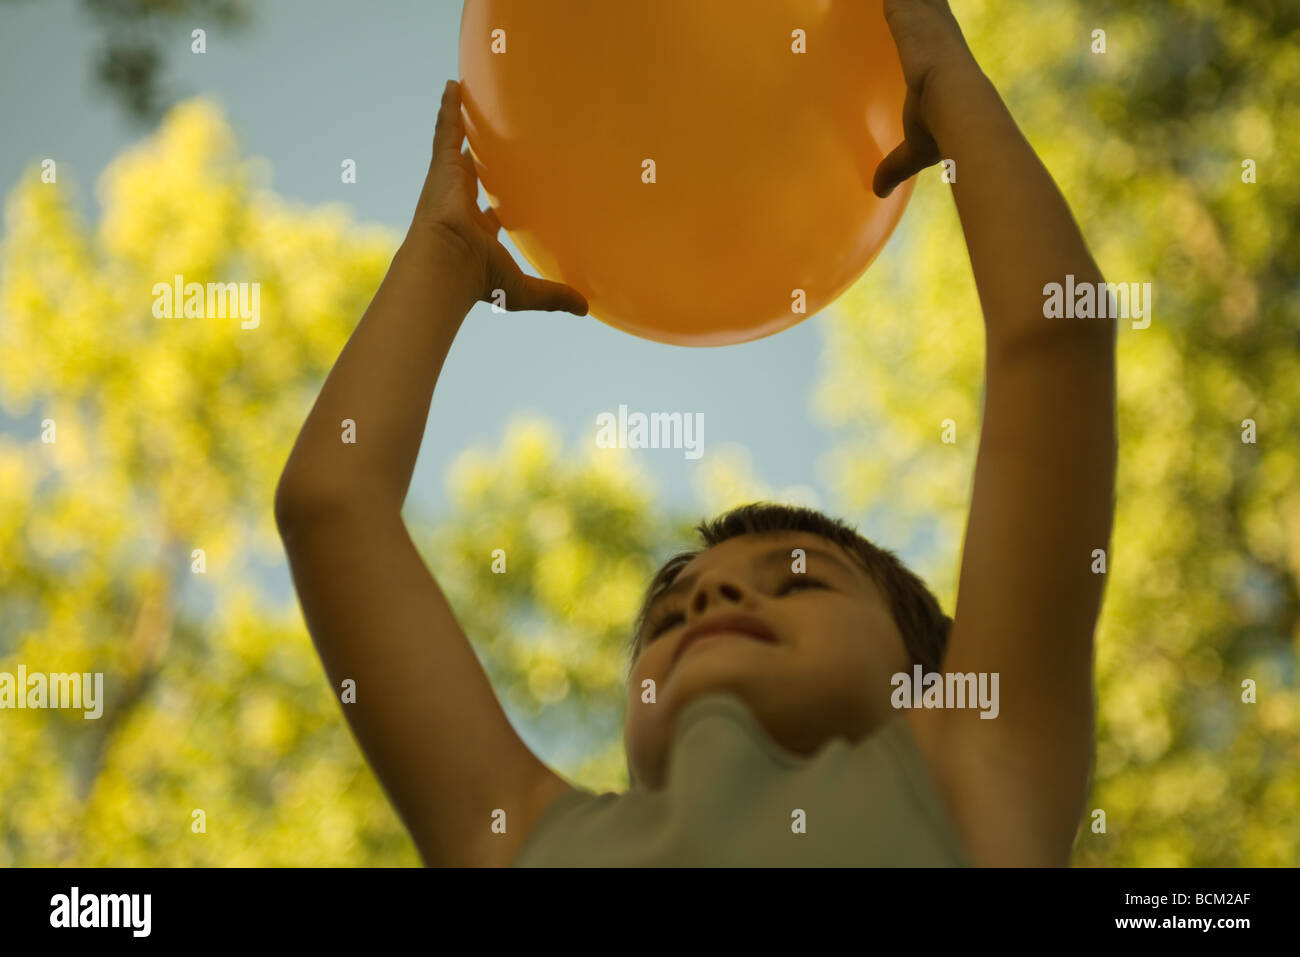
(226, 166)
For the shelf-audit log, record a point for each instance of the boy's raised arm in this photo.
(424, 712)
(1028, 598)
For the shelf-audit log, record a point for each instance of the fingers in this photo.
(449, 131)
(523, 292)
(487, 218)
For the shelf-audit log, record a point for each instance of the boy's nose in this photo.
(714, 594)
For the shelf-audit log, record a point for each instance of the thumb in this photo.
(524, 292)
(901, 164)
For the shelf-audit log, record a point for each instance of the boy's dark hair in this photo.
(924, 626)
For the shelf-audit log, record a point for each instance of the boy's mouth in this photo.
(727, 624)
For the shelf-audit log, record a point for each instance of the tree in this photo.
(169, 434)
(130, 61)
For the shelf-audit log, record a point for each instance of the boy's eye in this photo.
(673, 618)
(797, 580)
(664, 623)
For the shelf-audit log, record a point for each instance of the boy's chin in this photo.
(715, 674)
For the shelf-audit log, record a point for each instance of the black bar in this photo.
(330, 907)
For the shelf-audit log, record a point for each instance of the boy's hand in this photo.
(448, 217)
(934, 56)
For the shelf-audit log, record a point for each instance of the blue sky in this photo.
(312, 81)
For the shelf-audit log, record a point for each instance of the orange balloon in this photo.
(700, 170)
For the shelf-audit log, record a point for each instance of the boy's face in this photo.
(812, 653)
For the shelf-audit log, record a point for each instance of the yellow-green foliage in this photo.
(171, 435)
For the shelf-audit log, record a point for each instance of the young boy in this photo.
(765, 722)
